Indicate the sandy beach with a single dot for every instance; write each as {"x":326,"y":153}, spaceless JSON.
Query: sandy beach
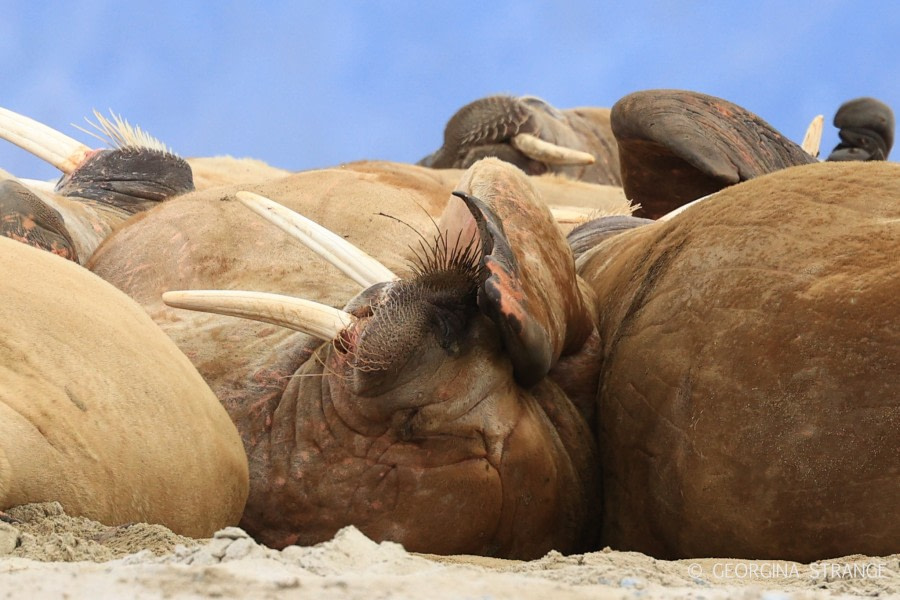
{"x":47,"y":554}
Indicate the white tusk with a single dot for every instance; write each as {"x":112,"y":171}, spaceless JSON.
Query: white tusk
{"x":46,"y":143}
{"x":551,"y":154}
{"x":38,"y":184}
{"x":318,"y":320}
{"x":572,"y":214}
{"x":813,"y":138}
{"x":352,"y":262}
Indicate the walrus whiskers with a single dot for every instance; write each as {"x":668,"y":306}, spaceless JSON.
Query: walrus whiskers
{"x":117,"y":132}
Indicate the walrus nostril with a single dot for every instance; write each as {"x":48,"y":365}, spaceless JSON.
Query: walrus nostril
{"x":345,"y":342}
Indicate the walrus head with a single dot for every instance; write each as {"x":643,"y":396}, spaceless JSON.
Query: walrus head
{"x":135,"y":171}
{"x":427,"y":413}
{"x":531,"y":134}
{"x":99,"y":188}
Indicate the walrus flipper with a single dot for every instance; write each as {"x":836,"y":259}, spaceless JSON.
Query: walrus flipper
{"x":866,"y":130}
{"x":677,"y":146}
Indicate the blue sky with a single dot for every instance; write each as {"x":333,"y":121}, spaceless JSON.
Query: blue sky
{"x":315,"y":83}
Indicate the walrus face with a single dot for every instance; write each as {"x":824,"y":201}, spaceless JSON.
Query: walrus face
{"x":427,"y":414}
{"x":526,"y":132}
{"x":106,"y":186}
{"x":408,"y":320}
{"x":132,"y":178}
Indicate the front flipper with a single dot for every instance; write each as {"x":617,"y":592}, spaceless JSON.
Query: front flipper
{"x":676,"y":146}
{"x":587,"y":235}
{"x":26,"y":218}
{"x":505,"y":302}
{"x":530,"y":289}
{"x":866,"y":130}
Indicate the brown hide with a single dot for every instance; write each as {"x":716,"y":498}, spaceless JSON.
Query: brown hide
{"x":100,"y":411}
{"x":309,"y":470}
{"x":749,"y":400}
{"x":218,"y":171}
{"x":676,"y":146}
{"x":226,"y":246}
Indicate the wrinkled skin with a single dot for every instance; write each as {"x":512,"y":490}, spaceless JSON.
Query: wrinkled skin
{"x":101,"y":412}
{"x":26,"y":218}
{"x":665,"y":497}
{"x":431,"y":421}
{"x":484,"y":128}
{"x":676,"y":146}
{"x":748,"y":404}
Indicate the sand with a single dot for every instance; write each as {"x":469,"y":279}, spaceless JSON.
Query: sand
{"x":47,"y":554}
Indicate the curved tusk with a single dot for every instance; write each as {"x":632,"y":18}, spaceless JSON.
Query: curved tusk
{"x":38,"y":184}
{"x":46,"y":143}
{"x":813,"y":138}
{"x":318,"y":320}
{"x":571,"y":214}
{"x":352,"y":262}
{"x":551,"y":154}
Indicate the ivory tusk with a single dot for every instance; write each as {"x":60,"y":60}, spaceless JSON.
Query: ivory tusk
{"x":353,"y":262}
{"x":571,"y":214}
{"x":46,"y":143}
{"x":318,"y":320}
{"x":813,"y":138}
{"x":551,"y":154}
{"x":38,"y":184}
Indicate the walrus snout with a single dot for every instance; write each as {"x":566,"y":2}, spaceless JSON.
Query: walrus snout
{"x":130,"y":178}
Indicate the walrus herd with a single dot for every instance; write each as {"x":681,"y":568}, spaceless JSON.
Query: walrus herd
{"x":662,"y":327}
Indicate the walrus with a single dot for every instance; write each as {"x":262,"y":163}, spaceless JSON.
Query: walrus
{"x":747,"y":404}
{"x":346,"y":407}
{"x":98,"y":190}
{"x":100,"y":411}
{"x":866,"y":130}
{"x":676,"y":146}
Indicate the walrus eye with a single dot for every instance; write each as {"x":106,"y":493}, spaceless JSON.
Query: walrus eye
{"x":449,"y":324}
